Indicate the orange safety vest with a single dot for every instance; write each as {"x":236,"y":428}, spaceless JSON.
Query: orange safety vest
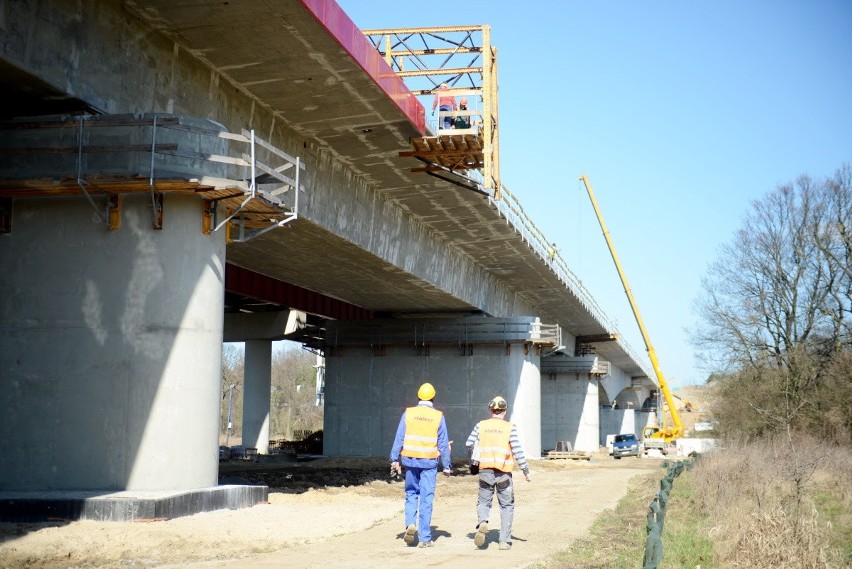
{"x":421,"y":432}
{"x":494,"y":448}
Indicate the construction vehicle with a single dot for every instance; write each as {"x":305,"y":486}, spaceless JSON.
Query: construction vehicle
{"x":661,"y":437}
{"x":687,"y":405}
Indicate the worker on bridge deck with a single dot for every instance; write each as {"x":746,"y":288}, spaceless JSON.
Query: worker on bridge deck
{"x":445,"y":102}
{"x":462,"y":121}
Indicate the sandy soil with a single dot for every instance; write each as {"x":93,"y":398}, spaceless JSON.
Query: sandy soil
{"x":340,"y":513}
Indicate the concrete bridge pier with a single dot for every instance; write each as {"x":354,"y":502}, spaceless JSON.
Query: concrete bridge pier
{"x":570,"y":394}
{"x":257,"y":332}
{"x":373,"y":371}
{"x":110,"y":351}
{"x":257,"y":395}
{"x":621,"y":409}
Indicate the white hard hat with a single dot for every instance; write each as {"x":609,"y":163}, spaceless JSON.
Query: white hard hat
{"x":498,"y":404}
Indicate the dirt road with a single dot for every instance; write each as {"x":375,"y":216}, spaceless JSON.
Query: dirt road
{"x":336,"y":524}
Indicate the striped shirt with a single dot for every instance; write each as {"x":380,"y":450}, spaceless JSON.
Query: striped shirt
{"x":514,"y":444}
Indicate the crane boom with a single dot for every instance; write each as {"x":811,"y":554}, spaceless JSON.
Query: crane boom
{"x":666,"y":433}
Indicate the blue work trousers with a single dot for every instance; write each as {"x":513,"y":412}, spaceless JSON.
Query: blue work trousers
{"x":419,"y":494}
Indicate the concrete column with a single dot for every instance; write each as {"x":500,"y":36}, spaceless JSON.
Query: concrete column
{"x":110,"y":347}
{"x":621,"y":421}
{"x":368,"y":387}
{"x":590,"y":422}
{"x":257,"y":395}
{"x":524,"y":398}
{"x":570,"y":410}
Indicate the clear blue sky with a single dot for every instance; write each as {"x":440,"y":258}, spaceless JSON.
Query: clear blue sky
{"x":680,"y":113}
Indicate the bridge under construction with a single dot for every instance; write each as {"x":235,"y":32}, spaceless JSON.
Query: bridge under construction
{"x":255,"y":172}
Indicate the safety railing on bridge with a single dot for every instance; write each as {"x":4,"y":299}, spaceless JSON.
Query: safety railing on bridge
{"x":510,"y":207}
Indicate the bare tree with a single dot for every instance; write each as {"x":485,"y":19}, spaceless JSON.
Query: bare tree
{"x":293,"y":391}
{"x":293,"y":402}
{"x":776,"y":303}
{"x":834,"y":240}
{"x":233,"y":370}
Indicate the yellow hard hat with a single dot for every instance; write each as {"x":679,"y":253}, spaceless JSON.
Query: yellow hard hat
{"x":426,"y":392}
{"x":498,"y":404}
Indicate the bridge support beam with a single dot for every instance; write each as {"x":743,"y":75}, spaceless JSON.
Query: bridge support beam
{"x":373,"y":371}
{"x":621,"y":411}
{"x":617,"y":421}
{"x":110,"y":347}
{"x":569,"y":411}
{"x":257,"y":396}
{"x":570,"y":393}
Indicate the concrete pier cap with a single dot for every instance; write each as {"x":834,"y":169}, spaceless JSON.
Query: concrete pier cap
{"x":373,"y":371}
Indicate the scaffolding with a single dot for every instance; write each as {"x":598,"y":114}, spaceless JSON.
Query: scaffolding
{"x":105,"y":157}
{"x":463,"y":59}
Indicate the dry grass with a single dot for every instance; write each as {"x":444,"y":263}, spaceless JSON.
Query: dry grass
{"x":750,"y":506}
{"x":773,"y":539}
{"x":777,"y":504}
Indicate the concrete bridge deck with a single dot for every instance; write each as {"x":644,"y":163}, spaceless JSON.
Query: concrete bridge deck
{"x":311,"y":67}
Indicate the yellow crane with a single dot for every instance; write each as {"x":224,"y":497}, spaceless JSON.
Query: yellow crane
{"x":652,"y":437}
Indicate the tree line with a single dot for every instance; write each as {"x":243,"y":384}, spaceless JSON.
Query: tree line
{"x":293,"y":408}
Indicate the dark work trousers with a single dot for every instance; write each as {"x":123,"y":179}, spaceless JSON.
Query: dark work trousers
{"x":447,"y":121}
{"x":491,"y":481}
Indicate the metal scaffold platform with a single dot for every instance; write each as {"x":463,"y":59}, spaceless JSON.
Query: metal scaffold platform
{"x":465,"y":139}
{"x":456,"y":152}
{"x":105,"y":158}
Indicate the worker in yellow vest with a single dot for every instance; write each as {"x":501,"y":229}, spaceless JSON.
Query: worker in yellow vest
{"x":494,"y":443}
{"x":421,"y":438}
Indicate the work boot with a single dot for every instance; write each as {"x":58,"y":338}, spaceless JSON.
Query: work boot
{"x":505,"y":546}
{"x":479,"y":538}
{"x":427,"y":544}
{"x":410,"y":536}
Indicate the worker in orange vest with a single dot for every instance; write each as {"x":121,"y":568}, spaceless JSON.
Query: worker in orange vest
{"x":494,"y":443}
{"x":421,"y":438}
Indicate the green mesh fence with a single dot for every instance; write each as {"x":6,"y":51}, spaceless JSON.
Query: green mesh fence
{"x":657,"y":516}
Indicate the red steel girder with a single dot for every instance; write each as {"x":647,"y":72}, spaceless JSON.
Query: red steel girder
{"x":261,"y":287}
